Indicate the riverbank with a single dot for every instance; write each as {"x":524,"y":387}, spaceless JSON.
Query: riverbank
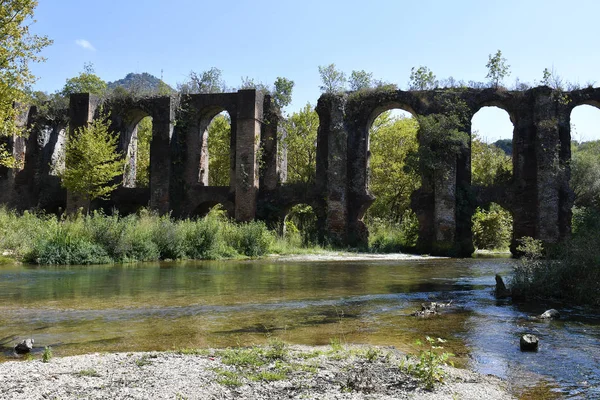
{"x":269,"y":372}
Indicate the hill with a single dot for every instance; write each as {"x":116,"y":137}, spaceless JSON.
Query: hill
{"x":143,"y":83}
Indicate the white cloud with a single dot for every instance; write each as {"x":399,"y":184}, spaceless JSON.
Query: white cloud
{"x":85,"y":44}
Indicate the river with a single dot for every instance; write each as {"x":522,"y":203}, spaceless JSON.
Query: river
{"x":175,"y":305}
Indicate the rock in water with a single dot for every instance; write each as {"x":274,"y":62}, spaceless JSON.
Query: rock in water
{"x":550,"y":314}
{"x":24,"y":347}
{"x":529,"y":342}
{"x":501,"y":290}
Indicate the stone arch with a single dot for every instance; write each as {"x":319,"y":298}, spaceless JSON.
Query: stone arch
{"x":200,"y":110}
{"x":359,"y":121}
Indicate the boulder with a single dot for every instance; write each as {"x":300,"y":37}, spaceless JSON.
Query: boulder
{"x":550,"y":314}
{"x":529,"y":342}
{"x":24,"y":347}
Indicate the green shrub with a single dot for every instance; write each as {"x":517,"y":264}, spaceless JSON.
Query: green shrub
{"x":167,"y":237}
{"x":492,"y":228}
{"x":66,"y":243}
{"x":251,"y":239}
{"x":570,"y":271}
{"x":428,"y":366}
{"x":388,"y":237}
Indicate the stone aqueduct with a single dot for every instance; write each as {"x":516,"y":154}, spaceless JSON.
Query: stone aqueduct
{"x":538,"y":194}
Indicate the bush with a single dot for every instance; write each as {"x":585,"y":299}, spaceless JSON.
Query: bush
{"x":492,"y":228}
{"x":570,"y":271}
{"x":251,"y":239}
{"x":65,"y":246}
{"x":388,"y":237}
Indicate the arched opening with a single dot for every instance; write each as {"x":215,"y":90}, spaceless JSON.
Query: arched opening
{"x":391,"y":178}
{"x":300,"y":226}
{"x":215,"y":158}
{"x":137,"y":157}
{"x":491,"y":172}
{"x":585,"y":157}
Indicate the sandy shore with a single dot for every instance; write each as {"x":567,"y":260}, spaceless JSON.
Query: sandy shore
{"x":269,"y":372}
{"x":350,"y":256}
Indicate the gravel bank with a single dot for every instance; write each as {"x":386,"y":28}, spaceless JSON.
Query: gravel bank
{"x":257,"y":373}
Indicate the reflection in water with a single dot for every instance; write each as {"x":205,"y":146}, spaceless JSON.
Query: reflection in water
{"x":203,"y":304}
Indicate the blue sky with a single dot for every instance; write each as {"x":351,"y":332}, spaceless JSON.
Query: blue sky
{"x":266,"y":39}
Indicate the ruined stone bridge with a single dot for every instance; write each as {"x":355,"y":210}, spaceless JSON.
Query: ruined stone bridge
{"x":538,"y":195}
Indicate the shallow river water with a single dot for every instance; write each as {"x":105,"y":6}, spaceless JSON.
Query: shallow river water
{"x":166,"y":306}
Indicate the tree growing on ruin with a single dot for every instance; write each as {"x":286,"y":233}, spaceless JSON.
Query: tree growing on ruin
{"x":421,"y":79}
{"x":497,"y":69}
{"x":18,"y":48}
{"x":92,"y":162}
{"x":86,"y":82}
{"x":361,"y":80}
{"x":332,"y":79}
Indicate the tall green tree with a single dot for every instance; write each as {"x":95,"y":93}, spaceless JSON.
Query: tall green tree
{"x":219,"y":139}
{"x":282,"y":92}
{"x":86,"y":82}
{"x":92,"y":162}
{"x":585,"y":173}
{"x":390,"y":141}
{"x":301,"y":144}
{"x":333,"y":80}
{"x":18,"y":48}
{"x":490,"y":165}
{"x":144,"y":137}
{"x":498,"y":69}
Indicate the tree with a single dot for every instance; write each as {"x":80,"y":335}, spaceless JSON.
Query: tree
{"x":390,"y":141}
{"x":361,"y":80}
{"x":86,"y":82}
{"x":17,"y":49}
{"x":282,"y":94}
{"x":301,"y":143}
{"x":497,"y":68}
{"x":92,"y":162}
{"x":490,"y":165}
{"x":421,"y":79}
{"x":585,"y":173}
{"x":209,"y":81}
{"x":219,"y":139}
{"x":144,"y":137}
{"x":333,"y":81}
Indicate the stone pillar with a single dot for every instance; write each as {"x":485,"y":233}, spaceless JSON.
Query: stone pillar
{"x":550,"y":171}
{"x":332,"y":170}
{"x":248,"y":126}
{"x":445,"y":205}
{"x":82,"y":107}
{"x":160,"y":154}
